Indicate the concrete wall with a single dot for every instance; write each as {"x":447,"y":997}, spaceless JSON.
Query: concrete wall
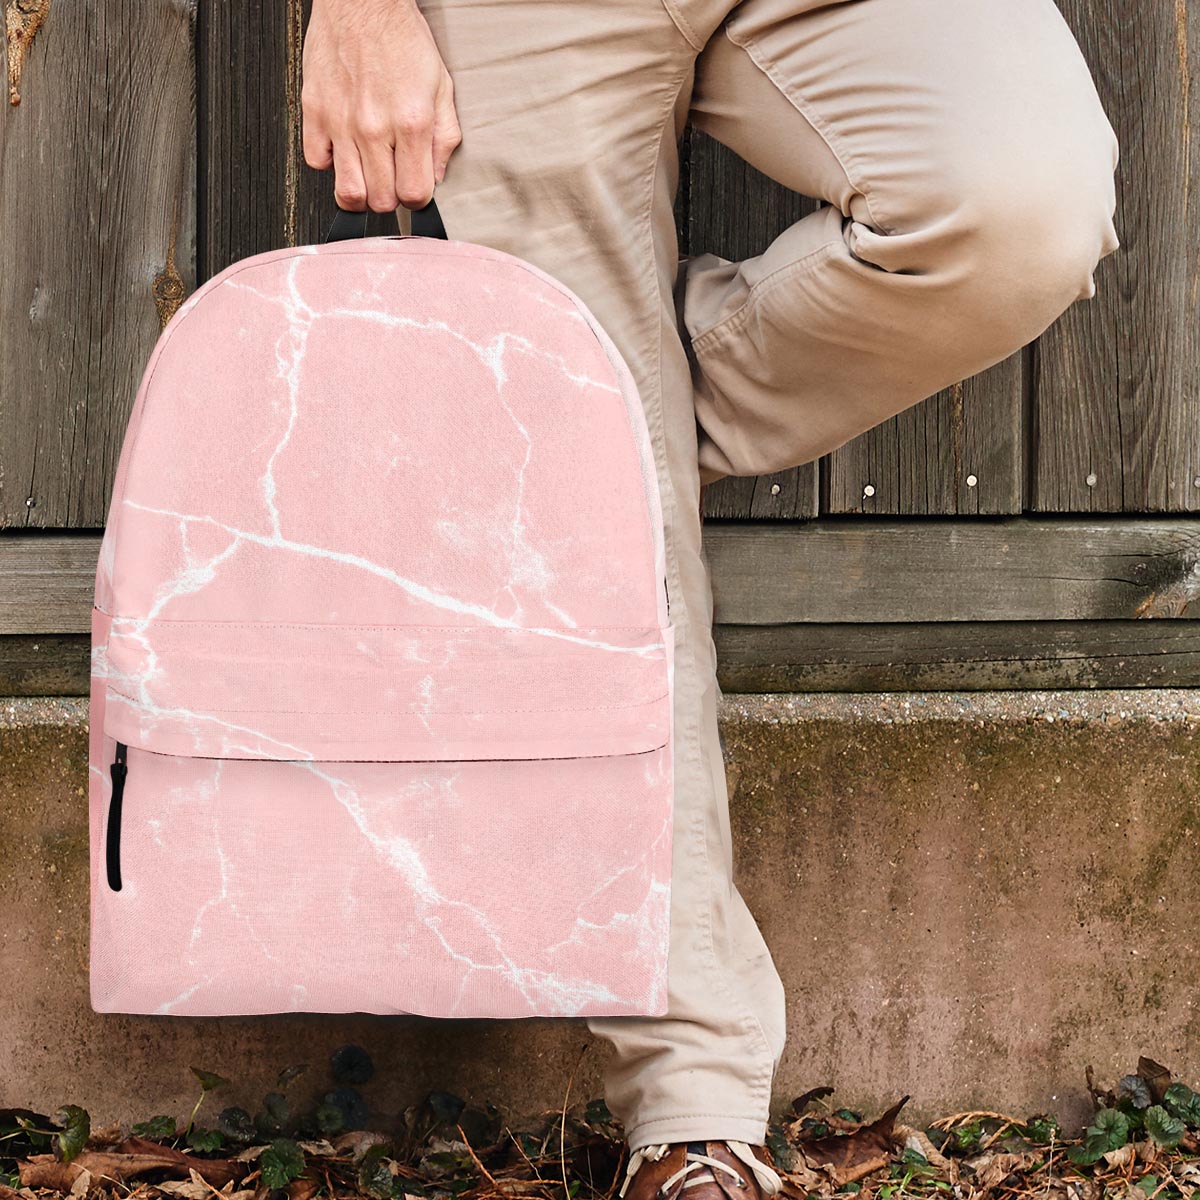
{"x":970,"y":897}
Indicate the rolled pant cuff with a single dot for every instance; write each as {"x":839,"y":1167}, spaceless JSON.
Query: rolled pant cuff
{"x":697,"y":1127}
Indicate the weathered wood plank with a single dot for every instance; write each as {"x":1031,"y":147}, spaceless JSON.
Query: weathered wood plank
{"x":45,"y":665}
{"x":47,"y":582}
{"x":1009,"y":569}
{"x":957,"y":453}
{"x":957,"y":656}
{"x":951,"y":656}
{"x":257,"y":193}
{"x":97,"y":225}
{"x":1118,"y":381}
{"x":735,"y":211}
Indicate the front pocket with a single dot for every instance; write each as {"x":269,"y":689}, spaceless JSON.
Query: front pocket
{"x":448,"y":889}
{"x":484,"y":856}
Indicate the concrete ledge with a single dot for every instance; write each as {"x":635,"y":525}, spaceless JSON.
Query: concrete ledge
{"x":970,"y":896}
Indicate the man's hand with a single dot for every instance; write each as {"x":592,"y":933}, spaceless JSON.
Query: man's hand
{"x":378,"y":103}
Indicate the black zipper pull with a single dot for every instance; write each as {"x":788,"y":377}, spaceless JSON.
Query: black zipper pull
{"x":112,"y":838}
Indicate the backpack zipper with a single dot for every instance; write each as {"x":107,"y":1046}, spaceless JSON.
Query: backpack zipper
{"x":112,"y":837}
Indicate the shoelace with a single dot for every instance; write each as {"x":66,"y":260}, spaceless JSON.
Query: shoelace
{"x":768,"y":1179}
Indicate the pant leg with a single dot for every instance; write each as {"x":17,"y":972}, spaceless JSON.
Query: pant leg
{"x":968,"y":169}
{"x":570,"y":112}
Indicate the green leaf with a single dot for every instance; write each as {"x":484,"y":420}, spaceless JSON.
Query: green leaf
{"x":206,"y":1141}
{"x":330,"y":1118}
{"x":1043,"y":1129}
{"x":1111,"y":1126}
{"x":157,"y":1129}
{"x":1148,"y":1183}
{"x":1136,"y":1089}
{"x":236,"y":1125}
{"x":782,"y":1151}
{"x":967,"y":1136}
{"x":375,"y":1173}
{"x":1180,"y":1101}
{"x":1109,"y":1130}
{"x":281,"y":1162}
{"x":76,"y":1126}
{"x":209,"y":1080}
{"x":1087,"y":1152}
{"x":1165,"y":1129}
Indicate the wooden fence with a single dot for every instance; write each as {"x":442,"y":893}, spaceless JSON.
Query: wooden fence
{"x":1015,"y":530}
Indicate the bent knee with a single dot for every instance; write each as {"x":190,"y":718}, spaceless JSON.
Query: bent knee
{"x":1014,"y":237}
{"x":1033,"y":240}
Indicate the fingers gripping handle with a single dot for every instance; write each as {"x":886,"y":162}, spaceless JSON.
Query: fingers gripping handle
{"x":426,"y":222}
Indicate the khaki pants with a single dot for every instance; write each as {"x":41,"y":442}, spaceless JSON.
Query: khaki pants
{"x":968,"y":170}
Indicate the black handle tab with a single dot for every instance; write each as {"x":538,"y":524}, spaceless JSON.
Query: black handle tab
{"x":426,"y":222}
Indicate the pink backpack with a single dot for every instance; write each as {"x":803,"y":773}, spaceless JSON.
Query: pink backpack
{"x":381,"y":708}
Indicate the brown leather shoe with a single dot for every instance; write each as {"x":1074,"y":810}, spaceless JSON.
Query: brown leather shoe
{"x":700,"y":1171}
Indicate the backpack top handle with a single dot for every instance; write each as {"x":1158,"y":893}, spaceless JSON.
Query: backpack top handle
{"x":426,"y":222}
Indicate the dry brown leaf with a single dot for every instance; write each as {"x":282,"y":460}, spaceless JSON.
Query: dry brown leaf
{"x":319,"y":1149}
{"x":217,"y":1171}
{"x":1157,"y":1077}
{"x":918,"y":1140}
{"x":803,"y":1178}
{"x":992,"y":1167}
{"x":1148,"y":1151}
{"x":45,"y":1171}
{"x":520,"y":1187}
{"x":847,"y":1158}
{"x":1123,"y":1156}
{"x":357,"y":1142}
{"x":83,"y":1181}
{"x":302,"y":1188}
{"x":187,"y":1189}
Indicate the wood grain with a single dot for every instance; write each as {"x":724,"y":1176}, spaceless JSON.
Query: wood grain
{"x":1117,"y":399}
{"x":843,"y":572}
{"x":97,"y":230}
{"x":1000,"y":569}
{"x":257,"y":193}
{"x":957,"y":656}
{"x":47,"y":582}
{"x":45,"y":665}
{"x":958,"y":453}
{"x":951,"y":656}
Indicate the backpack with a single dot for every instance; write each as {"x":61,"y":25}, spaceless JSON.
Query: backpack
{"x":382,"y":674}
